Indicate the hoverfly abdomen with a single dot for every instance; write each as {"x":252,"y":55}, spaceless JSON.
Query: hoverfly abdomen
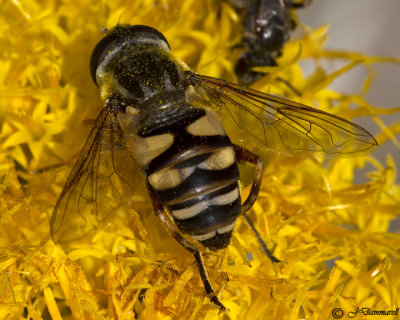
{"x":210,"y":218}
{"x":196,"y":176}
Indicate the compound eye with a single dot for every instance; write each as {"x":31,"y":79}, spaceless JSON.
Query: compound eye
{"x":148,"y":34}
{"x":102,"y":49}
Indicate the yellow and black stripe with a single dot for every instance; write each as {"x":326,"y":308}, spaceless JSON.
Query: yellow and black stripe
{"x":195,"y":176}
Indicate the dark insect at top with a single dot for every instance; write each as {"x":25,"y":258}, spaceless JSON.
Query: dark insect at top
{"x":267,"y":25}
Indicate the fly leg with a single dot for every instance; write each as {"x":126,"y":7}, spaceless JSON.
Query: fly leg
{"x":163,"y":216}
{"x":244,"y":155}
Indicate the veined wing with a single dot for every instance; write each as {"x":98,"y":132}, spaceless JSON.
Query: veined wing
{"x":282,"y":125}
{"x":95,"y":188}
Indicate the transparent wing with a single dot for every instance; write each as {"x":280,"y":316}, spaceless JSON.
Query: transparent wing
{"x":278,"y":124}
{"x":96,"y":186}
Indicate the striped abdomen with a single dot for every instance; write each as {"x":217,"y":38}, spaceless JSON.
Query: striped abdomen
{"x":191,"y":166}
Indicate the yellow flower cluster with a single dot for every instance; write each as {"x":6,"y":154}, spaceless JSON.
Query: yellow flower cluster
{"x":332,"y":235}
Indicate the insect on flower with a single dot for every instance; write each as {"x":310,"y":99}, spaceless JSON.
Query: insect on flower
{"x":169,"y":122}
{"x":267,"y":25}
